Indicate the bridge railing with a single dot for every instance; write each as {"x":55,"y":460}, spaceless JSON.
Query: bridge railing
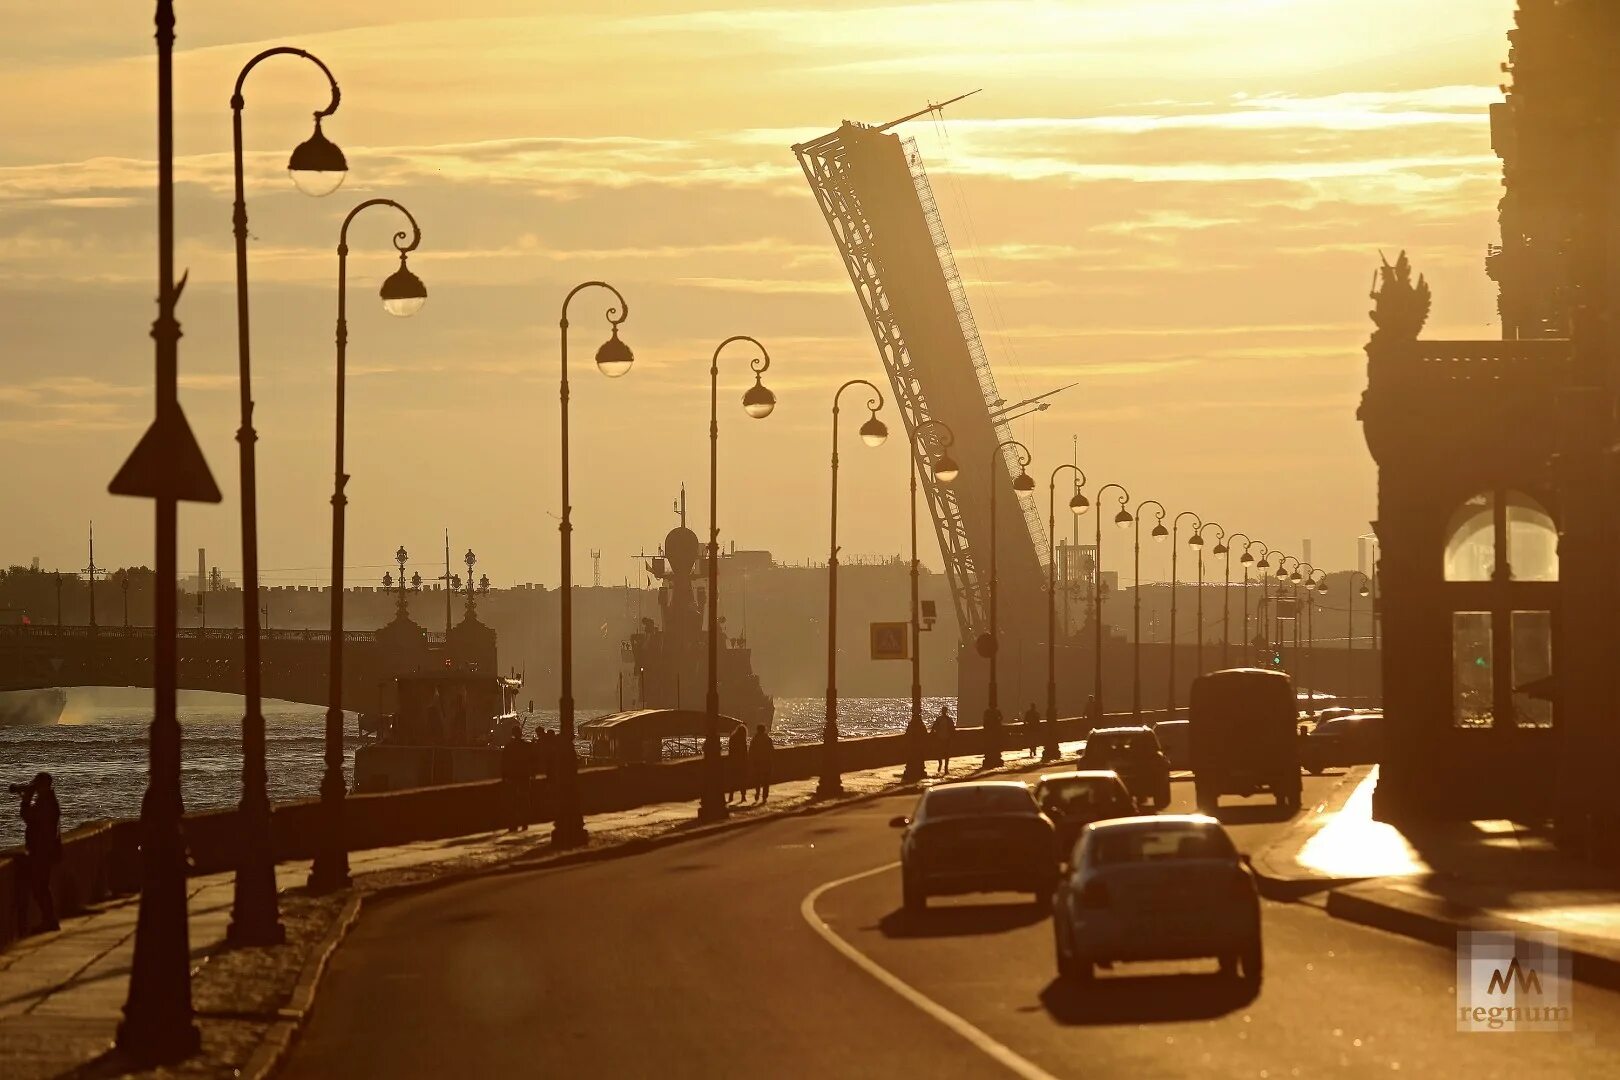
{"x":28,"y":631}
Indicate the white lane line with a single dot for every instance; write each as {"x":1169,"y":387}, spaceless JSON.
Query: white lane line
{"x":996,"y":1051}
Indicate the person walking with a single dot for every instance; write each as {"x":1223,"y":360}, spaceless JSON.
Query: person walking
{"x":944,"y":728}
{"x":737,"y":764}
{"x":42,"y":836}
{"x":1032,"y":722}
{"x":759,"y":758}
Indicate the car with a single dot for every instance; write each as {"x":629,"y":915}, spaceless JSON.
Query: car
{"x":1074,"y":799}
{"x":1133,"y":753}
{"x":981,"y":836}
{"x":1175,"y":739}
{"x":1356,"y":739}
{"x":1162,"y":887}
{"x":1243,"y":738}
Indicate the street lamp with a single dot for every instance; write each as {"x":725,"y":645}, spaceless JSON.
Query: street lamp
{"x":1077,"y":506}
{"x":1282,"y":577}
{"x":403,"y":588}
{"x":1175,"y":548}
{"x":758,"y":402}
{"x":1158,"y":534}
{"x":1262,"y":618}
{"x":932,"y":442}
{"x":1312,"y":585}
{"x":1197,"y":541}
{"x":613,"y":359}
{"x":992,"y":647}
{"x":168,"y":467}
{"x":402,"y":294}
{"x":1248,"y":561}
{"x":873,"y":432}
{"x":1225,"y":548}
{"x":317,"y":167}
{"x":1122,"y":520}
{"x":1351,"y":592}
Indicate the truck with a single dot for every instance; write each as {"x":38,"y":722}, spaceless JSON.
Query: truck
{"x":1242,"y":737}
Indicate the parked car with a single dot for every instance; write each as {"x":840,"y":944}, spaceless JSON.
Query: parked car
{"x":983,"y":836}
{"x":1175,"y":739}
{"x":1073,"y":800}
{"x":1167,"y":887}
{"x":1243,"y":738}
{"x":1356,"y":739}
{"x":1133,"y":753}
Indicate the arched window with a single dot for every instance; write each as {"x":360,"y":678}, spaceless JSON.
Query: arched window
{"x":1514,"y":523}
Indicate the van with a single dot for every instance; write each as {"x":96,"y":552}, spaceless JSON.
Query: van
{"x":1243,"y":739}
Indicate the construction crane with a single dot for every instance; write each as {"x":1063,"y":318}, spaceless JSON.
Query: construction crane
{"x":875,"y":195}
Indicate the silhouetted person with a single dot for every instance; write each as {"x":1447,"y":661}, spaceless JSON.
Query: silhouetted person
{"x":1094,"y":713}
{"x":42,"y":835}
{"x":916,"y":748}
{"x":944,"y":728}
{"x":1032,"y":719}
{"x":737,"y":764}
{"x":515,"y":777}
{"x":759,"y":760}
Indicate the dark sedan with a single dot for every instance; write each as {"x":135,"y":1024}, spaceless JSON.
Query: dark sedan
{"x":1074,"y":800}
{"x":1133,"y":753}
{"x":1342,"y":741}
{"x":984,"y":836}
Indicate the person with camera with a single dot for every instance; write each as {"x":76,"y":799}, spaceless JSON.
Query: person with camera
{"x":42,"y":836}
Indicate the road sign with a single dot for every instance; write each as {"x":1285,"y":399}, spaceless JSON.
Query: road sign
{"x":891,"y":641}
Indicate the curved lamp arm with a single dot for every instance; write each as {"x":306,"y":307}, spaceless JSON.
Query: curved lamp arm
{"x":874,"y":404}
{"x":237,"y":101}
{"x":415,"y":235}
{"x":615,"y":315}
{"x":760,"y":364}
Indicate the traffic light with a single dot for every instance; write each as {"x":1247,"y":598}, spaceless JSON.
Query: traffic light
{"x":1276,"y":658}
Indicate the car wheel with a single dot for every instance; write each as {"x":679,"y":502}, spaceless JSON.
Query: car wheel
{"x":912,"y":895}
{"x":1065,"y":966}
{"x":1252,"y":960}
{"x":1229,"y":965}
{"x":1162,"y":801}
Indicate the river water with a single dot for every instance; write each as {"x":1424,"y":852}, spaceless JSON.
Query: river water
{"x":97,"y":752}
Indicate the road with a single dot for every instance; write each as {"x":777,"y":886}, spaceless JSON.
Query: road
{"x":698,"y":960}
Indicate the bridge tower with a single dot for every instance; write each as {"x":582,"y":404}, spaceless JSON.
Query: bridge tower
{"x":875,"y":195}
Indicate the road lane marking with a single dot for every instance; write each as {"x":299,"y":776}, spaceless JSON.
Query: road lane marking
{"x":998,"y":1052}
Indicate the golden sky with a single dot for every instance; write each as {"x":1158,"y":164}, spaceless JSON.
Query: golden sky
{"x":1177,"y":204}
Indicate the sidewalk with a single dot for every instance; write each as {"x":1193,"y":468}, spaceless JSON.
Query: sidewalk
{"x":62,"y":994}
{"x":1434,"y":881}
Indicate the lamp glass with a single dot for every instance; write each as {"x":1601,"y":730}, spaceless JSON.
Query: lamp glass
{"x":1123,"y":519}
{"x":1023,"y":482}
{"x":317,"y":167}
{"x":403,"y":293}
{"x":1079,"y":504}
{"x":614,"y":358}
{"x":874,"y":432}
{"x":759,"y":402}
{"x":946,"y":470}
{"x":1160,"y":532}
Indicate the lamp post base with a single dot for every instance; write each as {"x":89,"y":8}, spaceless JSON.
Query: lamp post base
{"x":992,"y":735}
{"x":712,"y":805}
{"x":569,"y":834}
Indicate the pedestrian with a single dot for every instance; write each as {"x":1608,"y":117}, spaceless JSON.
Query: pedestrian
{"x":737,"y":764}
{"x":759,"y":758}
{"x":42,"y":837}
{"x":515,"y":780}
{"x":1093,"y":714}
{"x":944,"y":728}
{"x":1032,"y":721}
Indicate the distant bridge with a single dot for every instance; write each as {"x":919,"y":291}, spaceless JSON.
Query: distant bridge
{"x":293,"y":663}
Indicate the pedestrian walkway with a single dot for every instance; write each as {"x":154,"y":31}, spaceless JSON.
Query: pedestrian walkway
{"x":1434,"y":880}
{"x":62,"y":993}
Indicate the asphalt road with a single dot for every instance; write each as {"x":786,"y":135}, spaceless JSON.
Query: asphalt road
{"x":698,"y":960}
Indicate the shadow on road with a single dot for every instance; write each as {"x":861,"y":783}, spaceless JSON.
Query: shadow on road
{"x":962,"y":920}
{"x":1144,"y":999}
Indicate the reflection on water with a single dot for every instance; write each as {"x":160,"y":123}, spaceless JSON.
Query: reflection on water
{"x":97,"y":753}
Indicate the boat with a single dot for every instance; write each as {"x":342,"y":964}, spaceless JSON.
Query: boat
{"x":447,"y":727}
{"x":32,"y":708}
{"x":668,"y":658}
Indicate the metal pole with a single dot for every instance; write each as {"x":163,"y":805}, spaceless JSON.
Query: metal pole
{"x":1136,"y":615}
{"x":992,"y":711}
{"x":1175,"y":550}
{"x":1052,"y":751}
{"x":1096,"y":598}
{"x":255,"y":916}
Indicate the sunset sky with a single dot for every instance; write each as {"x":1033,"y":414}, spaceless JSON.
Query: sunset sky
{"x":1177,"y":204}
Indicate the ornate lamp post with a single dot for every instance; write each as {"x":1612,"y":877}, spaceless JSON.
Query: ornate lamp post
{"x":873,"y":433}
{"x":403,"y":294}
{"x":992,"y":648}
{"x":758,"y":402}
{"x":1158,"y":534}
{"x":934,"y":439}
{"x":167,"y":467}
{"x":1312,"y":585}
{"x":404,"y":588}
{"x":613,"y":359}
{"x":1122,"y":520}
{"x":1225,"y":548}
{"x":317,"y":167}
{"x":1263,"y":618}
{"x":1351,"y":593}
{"x":1196,"y":540}
{"x":1078,"y":504}
{"x":1175,"y":548}
{"x":1248,"y":560}
{"x":1283,"y":579}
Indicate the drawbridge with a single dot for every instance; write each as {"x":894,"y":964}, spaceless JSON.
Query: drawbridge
{"x":874,"y":192}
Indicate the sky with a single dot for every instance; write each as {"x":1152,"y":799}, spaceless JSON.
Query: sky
{"x":1177,"y":205}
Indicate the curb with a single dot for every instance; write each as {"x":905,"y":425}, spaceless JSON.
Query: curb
{"x":1438,"y":922}
{"x":272,"y":1050}
{"x":1271,"y":862}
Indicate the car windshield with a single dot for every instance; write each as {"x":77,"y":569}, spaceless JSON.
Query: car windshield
{"x":968,"y":800}
{"x":1135,"y":742}
{"x":1164,"y":843}
{"x":1080,"y":793}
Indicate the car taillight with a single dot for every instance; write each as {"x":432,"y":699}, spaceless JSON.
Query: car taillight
{"x":1094,"y":895}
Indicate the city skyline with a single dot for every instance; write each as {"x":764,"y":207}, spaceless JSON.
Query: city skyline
{"x":1147,"y":271}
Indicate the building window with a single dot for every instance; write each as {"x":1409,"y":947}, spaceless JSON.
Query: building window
{"x":1511,"y":521}
{"x":1473,"y":694}
{"x":1471,"y":540}
{"x":1532,"y":540}
{"x":1532,"y":669}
